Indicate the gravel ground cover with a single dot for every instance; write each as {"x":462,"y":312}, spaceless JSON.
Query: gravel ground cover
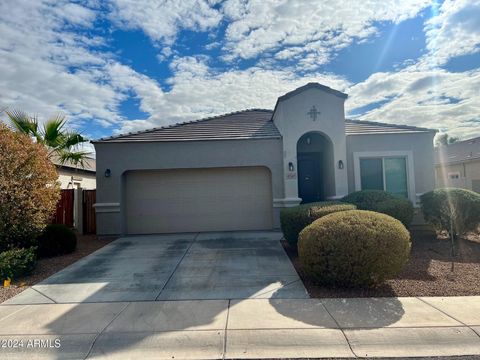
{"x":427,"y":273}
{"x":45,"y":267}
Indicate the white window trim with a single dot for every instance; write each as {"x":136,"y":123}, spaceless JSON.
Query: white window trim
{"x":383,"y":154}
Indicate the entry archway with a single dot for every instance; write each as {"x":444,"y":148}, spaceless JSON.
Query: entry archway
{"x":315,"y":167}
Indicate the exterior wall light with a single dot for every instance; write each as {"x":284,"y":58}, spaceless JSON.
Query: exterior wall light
{"x":108,"y":172}
{"x":309,"y":140}
{"x":290,"y":166}
{"x":340,"y":164}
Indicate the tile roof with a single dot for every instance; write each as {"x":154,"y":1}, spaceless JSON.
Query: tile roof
{"x":461,"y":151}
{"x":246,"y":124}
{"x":360,"y":127}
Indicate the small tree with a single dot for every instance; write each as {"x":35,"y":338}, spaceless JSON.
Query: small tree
{"x":28,"y":189}
{"x":445,"y":139}
{"x":453,"y":210}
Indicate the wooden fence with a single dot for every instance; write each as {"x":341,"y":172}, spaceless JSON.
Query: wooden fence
{"x":65,"y":213}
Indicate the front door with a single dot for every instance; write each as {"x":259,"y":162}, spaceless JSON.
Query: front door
{"x":309,"y":177}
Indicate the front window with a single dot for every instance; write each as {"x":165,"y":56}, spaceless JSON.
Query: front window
{"x":384,"y":173}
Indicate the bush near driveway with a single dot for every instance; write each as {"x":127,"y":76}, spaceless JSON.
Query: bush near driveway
{"x":353,"y":248}
{"x":383,"y":202}
{"x":28,"y":189}
{"x":295,"y":219}
{"x":56,"y":239}
{"x":16,"y":263}
{"x":451,"y":206}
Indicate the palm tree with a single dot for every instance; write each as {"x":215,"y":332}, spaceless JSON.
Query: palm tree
{"x":61,"y":144}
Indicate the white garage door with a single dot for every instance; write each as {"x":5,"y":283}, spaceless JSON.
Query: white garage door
{"x":191,"y":200}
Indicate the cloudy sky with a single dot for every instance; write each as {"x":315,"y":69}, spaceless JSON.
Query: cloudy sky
{"x":123,"y":65}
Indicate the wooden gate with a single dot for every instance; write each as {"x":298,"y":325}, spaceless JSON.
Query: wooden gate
{"x":89,"y":224}
{"x":64,"y":212}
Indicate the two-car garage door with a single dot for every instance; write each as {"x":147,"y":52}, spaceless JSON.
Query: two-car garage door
{"x":191,"y":200}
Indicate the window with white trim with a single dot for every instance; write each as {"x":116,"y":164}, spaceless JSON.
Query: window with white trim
{"x":454,"y":175}
{"x":385,"y":173}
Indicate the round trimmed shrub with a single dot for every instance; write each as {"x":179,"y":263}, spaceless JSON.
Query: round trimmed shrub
{"x":56,"y":239}
{"x":295,"y":219}
{"x":353,"y":248}
{"x":383,"y":202}
{"x":452,"y":206}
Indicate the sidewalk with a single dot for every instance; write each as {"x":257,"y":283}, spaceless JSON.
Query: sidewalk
{"x":256,"y":328}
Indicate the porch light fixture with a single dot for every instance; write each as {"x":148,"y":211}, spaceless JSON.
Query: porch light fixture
{"x":108,"y":172}
{"x":308,"y":140}
{"x":290,"y":166}
{"x":340,"y":164}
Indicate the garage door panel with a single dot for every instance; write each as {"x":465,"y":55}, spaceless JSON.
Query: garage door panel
{"x":198,"y":200}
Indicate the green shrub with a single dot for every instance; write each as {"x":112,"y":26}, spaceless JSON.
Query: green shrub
{"x":295,"y":219}
{"x":56,"y":239}
{"x":383,"y":202}
{"x":353,"y":248}
{"x":16,"y":263}
{"x":459,"y":207}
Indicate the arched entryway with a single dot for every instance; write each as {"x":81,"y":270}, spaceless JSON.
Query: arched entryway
{"x":315,"y":167}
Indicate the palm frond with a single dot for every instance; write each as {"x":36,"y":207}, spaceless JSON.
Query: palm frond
{"x":23,"y":123}
{"x":74,"y":157}
{"x":52,"y":131}
{"x":71,"y":140}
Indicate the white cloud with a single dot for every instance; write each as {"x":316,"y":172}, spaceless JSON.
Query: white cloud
{"x":316,"y":29}
{"x":454,"y":31}
{"x":48,"y":65}
{"x":162,"y":19}
{"x":436,"y":99}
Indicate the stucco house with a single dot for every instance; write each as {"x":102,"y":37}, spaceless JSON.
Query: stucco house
{"x":72,"y":176}
{"x":237,"y":171}
{"x":458,"y":165}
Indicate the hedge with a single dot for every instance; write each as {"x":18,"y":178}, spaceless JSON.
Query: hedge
{"x":295,"y":219}
{"x":353,"y":248}
{"x":383,"y":202}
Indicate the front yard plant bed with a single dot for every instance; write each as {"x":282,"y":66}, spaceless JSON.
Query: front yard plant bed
{"x":427,"y":272}
{"x":49,"y":266}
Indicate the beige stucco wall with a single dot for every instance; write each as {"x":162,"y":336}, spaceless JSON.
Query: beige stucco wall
{"x":292,"y":120}
{"x":420,"y":145}
{"x":122,"y":157}
{"x":85,"y":180}
{"x":469,"y":175}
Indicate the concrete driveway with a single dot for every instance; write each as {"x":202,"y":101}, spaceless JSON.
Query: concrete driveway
{"x":230,"y":265}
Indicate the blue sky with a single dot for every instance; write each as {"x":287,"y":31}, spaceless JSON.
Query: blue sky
{"x":123,"y":65}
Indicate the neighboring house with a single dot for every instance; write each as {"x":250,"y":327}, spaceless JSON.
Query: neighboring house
{"x":73,"y":176}
{"x":237,"y":171}
{"x":458,"y":165}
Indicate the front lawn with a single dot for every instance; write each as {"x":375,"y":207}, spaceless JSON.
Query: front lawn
{"x":427,"y":273}
{"x":48,"y":266}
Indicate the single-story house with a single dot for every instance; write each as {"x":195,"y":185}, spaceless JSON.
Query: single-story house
{"x":458,"y":165}
{"x":75,"y":176}
{"x":237,"y":171}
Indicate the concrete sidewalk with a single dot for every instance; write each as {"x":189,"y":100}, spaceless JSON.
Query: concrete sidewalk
{"x":250,"y":328}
